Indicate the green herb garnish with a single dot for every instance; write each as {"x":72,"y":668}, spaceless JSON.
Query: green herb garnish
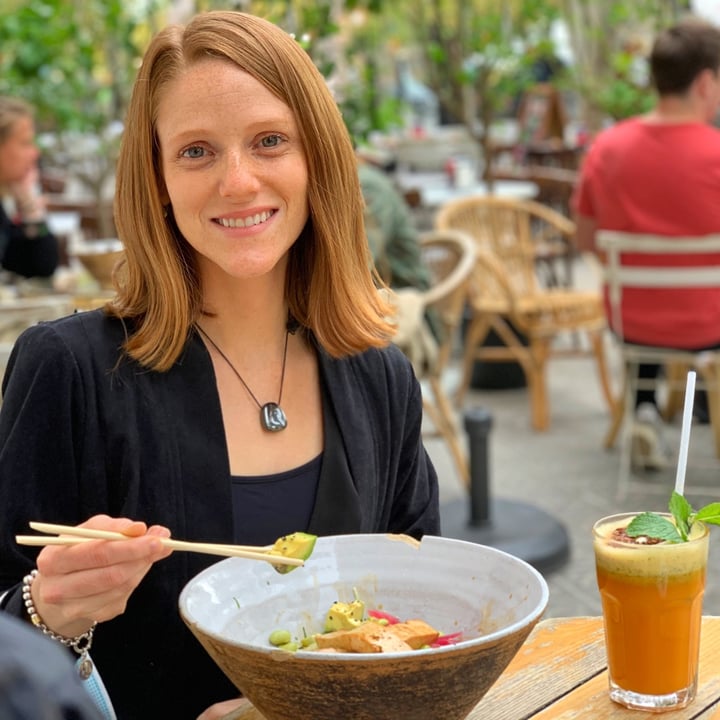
{"x":655,"y":526}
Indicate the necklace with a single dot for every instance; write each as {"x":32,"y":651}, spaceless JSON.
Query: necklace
{"x":272,"y":416}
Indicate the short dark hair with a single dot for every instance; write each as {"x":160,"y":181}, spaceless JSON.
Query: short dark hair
{"x":681,"y":52}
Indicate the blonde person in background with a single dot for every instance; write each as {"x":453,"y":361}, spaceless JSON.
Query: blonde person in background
{"x":27,"y":247}
{"x":241,"y":384}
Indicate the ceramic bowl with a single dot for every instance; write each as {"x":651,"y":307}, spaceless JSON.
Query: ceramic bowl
{"x":99,"y":257}
{"x":493,"y":598}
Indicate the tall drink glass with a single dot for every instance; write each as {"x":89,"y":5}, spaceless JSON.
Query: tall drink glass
{"x":652,"y":611}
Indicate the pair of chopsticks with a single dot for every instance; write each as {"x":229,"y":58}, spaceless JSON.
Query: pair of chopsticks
{"x":70,"y":535}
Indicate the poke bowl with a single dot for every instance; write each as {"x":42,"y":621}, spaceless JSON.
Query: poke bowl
{"x":485,"y":600}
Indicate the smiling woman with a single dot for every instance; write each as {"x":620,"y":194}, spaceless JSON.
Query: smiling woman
{"x":240,"y":385}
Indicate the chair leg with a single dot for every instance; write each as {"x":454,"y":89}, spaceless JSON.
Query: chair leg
{"x":598,"y":346}
{"x":631,"y":380}
{"x":675,"y":373}
{"x":449,"y":430}
{"x":711,"y":376}
{"x":617,"y":416}
{"x":476,"y":333}
{"x":535,"y":372}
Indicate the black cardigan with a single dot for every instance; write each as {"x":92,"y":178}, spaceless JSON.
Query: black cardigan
{"x":82,"y":435}
{"x":35,"y":256}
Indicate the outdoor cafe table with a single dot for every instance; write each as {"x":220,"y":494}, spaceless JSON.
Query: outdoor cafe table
{"x":435,"y":189}
{"x":560,"y":673}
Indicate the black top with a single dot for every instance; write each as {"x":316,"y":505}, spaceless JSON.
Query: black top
{"x":83,"y":433}
{"x":256,"y":499}
{"x":30,"y":255}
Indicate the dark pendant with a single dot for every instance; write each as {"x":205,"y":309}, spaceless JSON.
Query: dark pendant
{"x":272,"y":417}
{"x":85,"y":667}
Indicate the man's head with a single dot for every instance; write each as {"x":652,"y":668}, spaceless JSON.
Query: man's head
{"x":682,"y":53}
{"x":685,"y":63}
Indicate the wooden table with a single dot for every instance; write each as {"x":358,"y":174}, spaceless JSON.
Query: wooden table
{"x":560,"y":673}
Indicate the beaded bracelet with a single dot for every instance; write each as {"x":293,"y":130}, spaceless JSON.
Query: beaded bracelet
{"x":80,"y":644}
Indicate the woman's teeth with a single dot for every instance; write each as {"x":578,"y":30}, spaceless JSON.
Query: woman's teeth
{"x":245,"y":222}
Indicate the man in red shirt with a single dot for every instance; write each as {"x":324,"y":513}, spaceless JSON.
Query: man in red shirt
{"x":660,"y":173}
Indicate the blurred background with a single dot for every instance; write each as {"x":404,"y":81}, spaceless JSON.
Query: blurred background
{"x":398,"y":68}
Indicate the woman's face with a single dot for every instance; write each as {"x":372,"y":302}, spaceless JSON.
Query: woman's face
{"x":18,"y":153}
{"x":234,"y":168}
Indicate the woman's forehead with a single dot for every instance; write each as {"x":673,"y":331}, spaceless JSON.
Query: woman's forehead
{"x":216,"y":91}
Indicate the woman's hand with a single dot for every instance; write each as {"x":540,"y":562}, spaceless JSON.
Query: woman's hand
{"x":29,"y":200}
{"x":221,"y":710}
{"x":77,"y":585}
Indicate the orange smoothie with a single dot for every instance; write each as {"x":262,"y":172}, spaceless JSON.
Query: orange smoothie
{"x":652,"y":608}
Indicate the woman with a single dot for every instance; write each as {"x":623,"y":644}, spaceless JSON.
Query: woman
{"x":240,"y":385}
{"x":27,"y":247}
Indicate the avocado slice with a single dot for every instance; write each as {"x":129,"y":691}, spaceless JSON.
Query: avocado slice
{"x":345,"y":616}
{"x":296,"y":545}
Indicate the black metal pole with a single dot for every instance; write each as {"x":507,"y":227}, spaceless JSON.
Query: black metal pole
{"x":478,"y":422}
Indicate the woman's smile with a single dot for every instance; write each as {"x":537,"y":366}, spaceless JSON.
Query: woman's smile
{"x":248,"y":221}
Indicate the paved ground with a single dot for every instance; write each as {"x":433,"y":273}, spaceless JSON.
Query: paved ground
{"x":567,"y":473}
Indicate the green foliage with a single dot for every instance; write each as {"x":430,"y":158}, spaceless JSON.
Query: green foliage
{"x":485,"y":49}
{"x":73,"y":61}
{"x":613,"y":36}
{"x":349,"y":59}
{"x":620,"y":99}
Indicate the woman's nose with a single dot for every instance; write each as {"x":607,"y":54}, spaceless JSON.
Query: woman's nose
{"x":239,"y":177}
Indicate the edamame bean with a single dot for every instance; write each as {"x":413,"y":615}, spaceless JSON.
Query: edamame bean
{"x":280,"y":637}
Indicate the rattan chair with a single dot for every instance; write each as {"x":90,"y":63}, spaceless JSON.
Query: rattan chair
{"x":450,"y":257}
{"x":506,"y":296}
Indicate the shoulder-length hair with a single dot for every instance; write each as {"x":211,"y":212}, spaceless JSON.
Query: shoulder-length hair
{"x":330,"y":285}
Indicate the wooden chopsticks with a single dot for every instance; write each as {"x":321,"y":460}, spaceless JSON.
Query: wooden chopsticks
{"x":70,"y":535}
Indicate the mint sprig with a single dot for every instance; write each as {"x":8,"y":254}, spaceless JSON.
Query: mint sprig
{"x":655,"y":526}
{"x":682,"y":512}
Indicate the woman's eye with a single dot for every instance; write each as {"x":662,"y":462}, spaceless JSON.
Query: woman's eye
{"x":271,"y":141}
{"x":193,"y":152}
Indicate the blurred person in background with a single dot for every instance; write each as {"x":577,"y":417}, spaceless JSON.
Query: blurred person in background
{"x":391,"y":232}
{"x":660,"y":174}
{"x":27,"y":247}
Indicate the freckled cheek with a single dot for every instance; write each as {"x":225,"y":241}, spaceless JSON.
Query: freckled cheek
{"x":186,"y":199}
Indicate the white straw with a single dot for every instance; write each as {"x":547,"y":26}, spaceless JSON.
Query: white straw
{"x":685,"y":433}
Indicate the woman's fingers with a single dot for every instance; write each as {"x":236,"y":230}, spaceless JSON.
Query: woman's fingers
{"x":142,"y":546}
{"x":92,"y":581}
{"x":223,"y":709}
{"x":132,"y":528}
{"x":85,"y":596}
{"x":99,"y":554}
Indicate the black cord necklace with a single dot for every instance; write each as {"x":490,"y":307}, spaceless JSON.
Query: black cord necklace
{"x":272,"y":416}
